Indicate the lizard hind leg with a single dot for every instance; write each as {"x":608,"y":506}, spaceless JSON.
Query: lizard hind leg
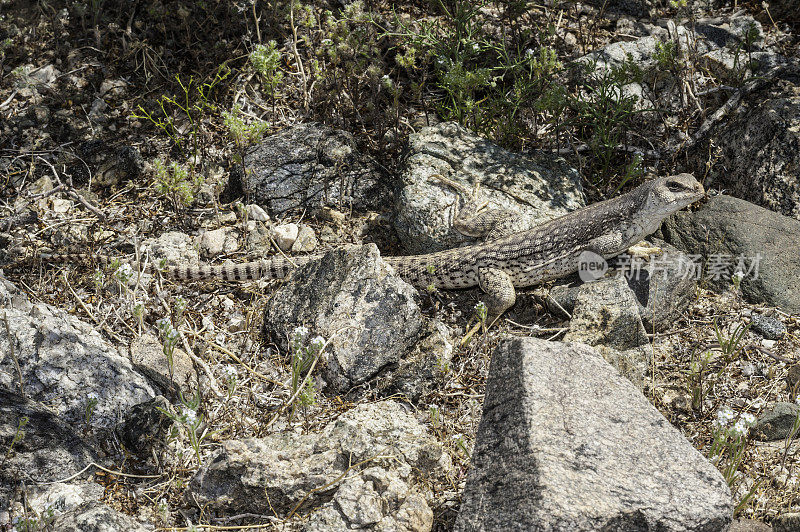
{"x":499,"y":290}
{"x":474,"y":219}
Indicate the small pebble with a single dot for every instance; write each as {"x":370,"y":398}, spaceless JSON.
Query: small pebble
{"x":255,"y":212}
{"x":767,"y":326}
{"x":285,"y":235}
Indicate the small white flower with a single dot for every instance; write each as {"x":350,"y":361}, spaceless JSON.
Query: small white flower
{"x":529,"y":52}
{"x":738,"y":276}
{"x":92,"y":396}
{"x":230,"y":372}
{"x":317,"y":342}
{"x":190,"y":416}
{"x":301,"y":331}
{"x":724,"y":416}
{"x":749,"y":419}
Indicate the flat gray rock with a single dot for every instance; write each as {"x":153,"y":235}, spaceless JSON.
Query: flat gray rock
{"x":727,"y":229}
{"x":566,"y":444}
{"x":384,"y":443}
{"x":535,"y":189}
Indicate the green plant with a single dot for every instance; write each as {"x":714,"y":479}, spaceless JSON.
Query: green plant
{"x":177,"y":183}
{"x":730,"y":345}
{"x":266,"y":60}
{"x":91,"y":403}
{"x":189,"y":419}
{"x":180,"y":116}
{"x":603,"y":114}
{"x":169,"y":340}
{"x":19,"y":434}
{"x":243,"y":133}
{"x":695,"y":377}
{"x":728,"y":446}
{"x":36,"y":523}
{"x":304,"y":354}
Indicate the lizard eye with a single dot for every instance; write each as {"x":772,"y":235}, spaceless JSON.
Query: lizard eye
{"x":674,"y":186}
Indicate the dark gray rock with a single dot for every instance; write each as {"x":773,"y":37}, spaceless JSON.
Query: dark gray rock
{"x":423,"y":369}
{"x":97,"y":517}
{"x":664,"y":287}
{"x":533,"y":188}
{"x":733,"y":229}
{"x":48,"y":450}
{"x":281,"y":471}
{"x":758,"y":147}
{"x":788,"y":522}
{"x":145,"y":428}
{"x":777,"y":422}
{"x":767,"y":326}
{"x":352,"y":296}
{"x":606,"y":315}
{"x":308,"y":166}
{"x":565,"y":443}
{"x":749,"y":525}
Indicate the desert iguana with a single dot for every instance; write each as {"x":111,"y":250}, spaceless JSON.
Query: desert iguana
{"x":499,"y":265}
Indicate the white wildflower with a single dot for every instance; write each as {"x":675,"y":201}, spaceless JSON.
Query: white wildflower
{"x":301,"y":331}
{"x":230,"y":372}
{"x":190,"y":416}
{"x":317,"y":342}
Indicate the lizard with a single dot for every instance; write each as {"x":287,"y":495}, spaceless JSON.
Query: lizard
{"x":501,"y":264}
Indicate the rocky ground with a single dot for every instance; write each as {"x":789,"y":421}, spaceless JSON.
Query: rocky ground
{"x":661,"y":397}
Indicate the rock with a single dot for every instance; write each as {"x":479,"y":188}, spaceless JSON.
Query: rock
{"x":726,"y":231}
{"x":423,"y":369}
{"x":285,"y":235}
{"x":664,"y":285}
{"x":256,"y":213}
{"x":48,"y":450}
{"x":749,"y":525}
{"x":777,"y":422}
{"x":281,"y":471}
{"x":788,"y":522}
{"x":359,"y":501}
{"x":65,"y":363}
{"x":757,"y":147}
{"x":606,"y":315}
{"x":565,"y":443}
{"x":147,"y":356}
{"x":306,"y":241}
{"x":52,"y":500}
{"x":354,"y":297}
{"x":173,"y":249}
{"x":97,"y":517}
{"x":218,"y":241}
{"x":767,"y":326}
{"x":534,"y":189}
{"x":308,"y":166}
{"x":145,"y":427}
{"x":107,"y":166}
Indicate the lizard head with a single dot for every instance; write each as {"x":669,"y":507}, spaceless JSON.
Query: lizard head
{"x":667,"y":195}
